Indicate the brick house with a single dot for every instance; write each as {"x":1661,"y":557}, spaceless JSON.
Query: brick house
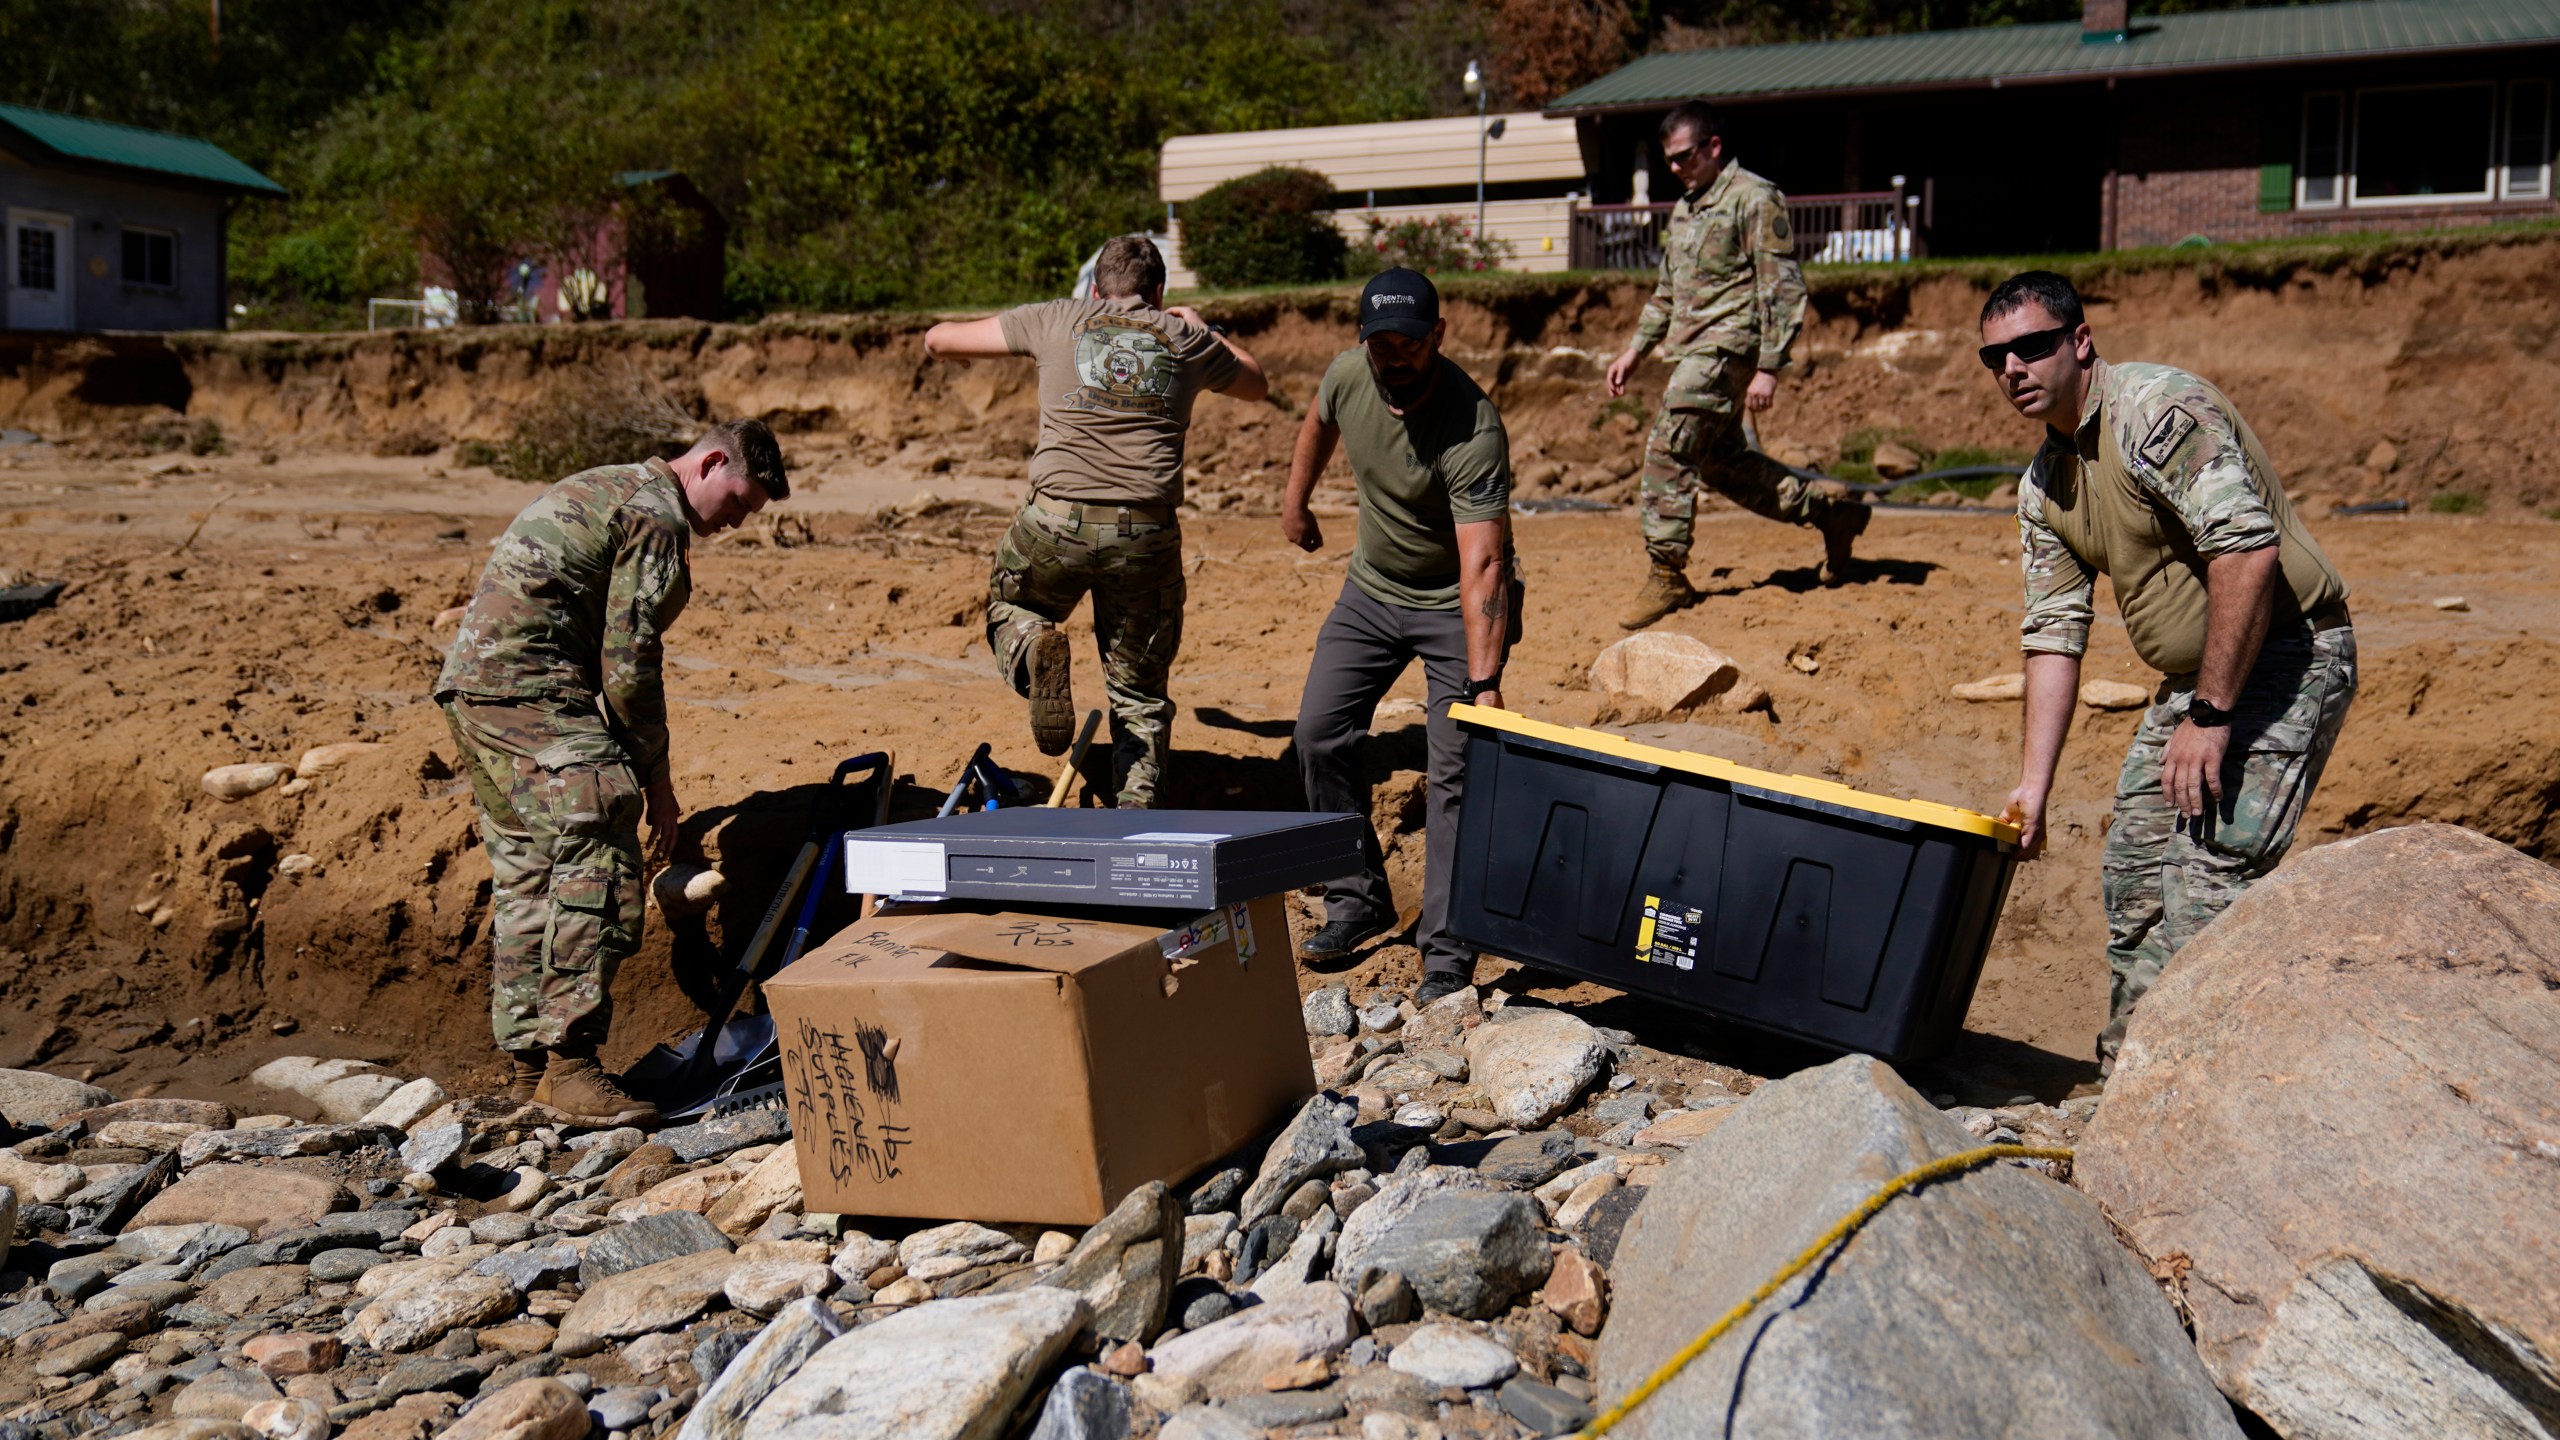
{"x":2130,"y":130}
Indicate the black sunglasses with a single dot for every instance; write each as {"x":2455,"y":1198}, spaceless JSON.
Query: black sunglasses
{"x":2030,"y":347}
{"x":1680,"y":157}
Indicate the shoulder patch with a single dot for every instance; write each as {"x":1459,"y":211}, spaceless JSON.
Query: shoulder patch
{"x":2167,"y":434}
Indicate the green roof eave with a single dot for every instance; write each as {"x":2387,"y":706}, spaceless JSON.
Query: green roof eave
{"x":2027,"y":54}
{"x":69,"y":138}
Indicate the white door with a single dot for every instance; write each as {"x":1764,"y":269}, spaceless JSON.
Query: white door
{"x":39,"y":270}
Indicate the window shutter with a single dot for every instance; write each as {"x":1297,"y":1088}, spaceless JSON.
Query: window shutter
{"x":2275,"y":186}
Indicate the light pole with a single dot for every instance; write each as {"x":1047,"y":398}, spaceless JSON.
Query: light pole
{"x":1474,"y":84}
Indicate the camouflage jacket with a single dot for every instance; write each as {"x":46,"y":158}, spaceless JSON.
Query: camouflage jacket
{"x":2160,"y":476}
{"x":1729,"y":283}
{"x":576,"y":600}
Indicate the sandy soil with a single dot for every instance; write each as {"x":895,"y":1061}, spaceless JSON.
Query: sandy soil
{"x":146,"y":932}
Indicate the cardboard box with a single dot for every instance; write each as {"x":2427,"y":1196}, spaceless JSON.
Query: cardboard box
{"x":958,"y":1065}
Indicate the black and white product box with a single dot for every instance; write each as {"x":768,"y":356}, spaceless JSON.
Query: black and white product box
{"x":1175,"y":859}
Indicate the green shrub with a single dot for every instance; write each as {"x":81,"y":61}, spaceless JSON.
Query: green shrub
{"x":477,"y":453}
{"x":2457,"y":502}
{"x":205,"y":438}
{"x":1434,"y":245}
{"x":1266,"y":228}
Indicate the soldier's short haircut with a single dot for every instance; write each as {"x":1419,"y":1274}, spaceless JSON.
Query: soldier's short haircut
{"x":751,"y":444}
{"x":1693,"y":115}
{"x":2044,"y":288}
{"x":1129,"y":267}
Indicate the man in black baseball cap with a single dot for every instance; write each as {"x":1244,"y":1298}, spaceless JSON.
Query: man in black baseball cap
{"x":1432,"y":577}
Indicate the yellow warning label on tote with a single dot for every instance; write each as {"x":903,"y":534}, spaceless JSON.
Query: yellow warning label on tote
{"x":1669,"y":934}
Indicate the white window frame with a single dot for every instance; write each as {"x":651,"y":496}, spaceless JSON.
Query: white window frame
{"x":2302,"y":169}
{"x":2486,"y":194}
{"x":2541,"y":187}
{"x":163,"y":232}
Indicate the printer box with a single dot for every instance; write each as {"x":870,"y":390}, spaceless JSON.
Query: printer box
{"x":1011,"y":1066}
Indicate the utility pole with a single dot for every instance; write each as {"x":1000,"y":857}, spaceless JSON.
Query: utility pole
{"x":1475,"y":89}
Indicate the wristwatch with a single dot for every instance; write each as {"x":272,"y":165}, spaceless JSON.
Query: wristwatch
{"x":2205,"y":715}
{"x":1479,"y":687}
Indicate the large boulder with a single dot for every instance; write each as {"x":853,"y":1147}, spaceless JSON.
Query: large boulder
{"x":953,"y":1370}
{"x":1992,"y":1303}
{"x":34,"y":1100}
{"x":2337,"y":1116}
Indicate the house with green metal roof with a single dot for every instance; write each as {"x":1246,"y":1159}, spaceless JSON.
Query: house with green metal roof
{"x":2123,"y":129}
{"x":110,"y":227}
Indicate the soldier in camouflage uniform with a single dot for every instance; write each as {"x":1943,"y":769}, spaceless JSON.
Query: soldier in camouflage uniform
{"x":2149,"y":475}
{"x":553,"y":691}
{"x":1725,"y":310}
{"x":1117,"y":377}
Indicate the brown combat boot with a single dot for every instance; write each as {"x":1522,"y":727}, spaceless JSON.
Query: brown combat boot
{"x":1053,"y":704}
{"x":525,"y":1073}
{"x":579,"y":1089}
{"x":1665,"y":590}
{"x":1842,"y":523}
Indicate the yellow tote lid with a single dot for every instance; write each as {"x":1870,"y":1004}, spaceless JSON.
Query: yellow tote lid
{"x":1803,"y":787}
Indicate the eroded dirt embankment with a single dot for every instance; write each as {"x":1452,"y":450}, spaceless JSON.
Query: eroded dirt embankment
{"x":2428,"y":371}
{"x":151,"y":932}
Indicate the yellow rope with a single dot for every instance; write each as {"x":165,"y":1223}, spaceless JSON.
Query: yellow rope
{"x":1849,"y":1225}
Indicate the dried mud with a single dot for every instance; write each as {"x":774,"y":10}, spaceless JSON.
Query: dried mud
{"x":147,"y":933}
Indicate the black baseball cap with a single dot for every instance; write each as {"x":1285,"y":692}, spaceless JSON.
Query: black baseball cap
{"x":1401,"y":300}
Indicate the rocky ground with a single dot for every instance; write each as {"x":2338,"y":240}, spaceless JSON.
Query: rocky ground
{"x":1424,"y":1250}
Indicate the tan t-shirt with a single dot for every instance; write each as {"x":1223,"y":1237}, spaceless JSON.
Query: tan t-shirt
{"x":1117,"y":379}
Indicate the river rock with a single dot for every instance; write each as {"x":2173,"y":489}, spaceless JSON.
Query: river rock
{"x":287,"y":1418}
{"x":727,"y":1134}
{"x":1993,"y":688}
{"x":223,"y":1395}
{"x":1447,"y":1355}
{"x":771,"y":1187}
{"x":537,"y":1409}
{"x":41,"y":1183}
{"x":239,"y":782}
{"x":407,"y":1105}
{"x":2341,"y":1108}
{"x":2054,"y":1326}
{"x":763,"y":1287}
{"x":653,"y":1297}
{"x":1125,"y":1266}
{"x":434,"y":1147}
{"x":948,"y":1371}
{"x":295,"y":1353}
{"x":2114,"y":695}
{"x":1662,"y":671}
{"x":685,"y":889}
{"x":1084,"y":1404}
{"x":734,"y":1390}
{"x":1534,"y":1063}
{"x":1316,"y":1141}
{"x":647,"y":1241}
{"x":421,"y":1313}
{"x":1469,"y":1253}
{"x":162,"y":1110}
{"x":35,"y":1100}
{"x":321,"y":759}
{"x":1230,"y":1357}
{"x":945,"y":1250}
{"x":1327,"y":1011}
{"x":263,"y":1200}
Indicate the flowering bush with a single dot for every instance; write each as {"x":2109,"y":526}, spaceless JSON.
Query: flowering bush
{"x":1433,"y":244}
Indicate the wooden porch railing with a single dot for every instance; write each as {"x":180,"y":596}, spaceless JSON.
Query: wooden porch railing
{"x":1860,"y":226}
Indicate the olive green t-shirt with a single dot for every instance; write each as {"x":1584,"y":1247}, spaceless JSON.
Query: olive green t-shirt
{"x":1117,"y":378}
{"x":1422,"y":475}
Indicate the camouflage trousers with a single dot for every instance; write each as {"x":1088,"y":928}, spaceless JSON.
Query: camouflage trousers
{"x":2167,"y":878}
{"x":1130,"y":559}
{"x":1697,"y":442}
{"x":560,"y":811}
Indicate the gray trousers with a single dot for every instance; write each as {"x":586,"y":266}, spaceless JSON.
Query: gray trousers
{"x":1364,"y":645}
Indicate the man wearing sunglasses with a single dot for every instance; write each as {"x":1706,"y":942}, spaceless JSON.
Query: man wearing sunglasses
{"x":2149,"y":475}
{"x":1725,"y":310}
